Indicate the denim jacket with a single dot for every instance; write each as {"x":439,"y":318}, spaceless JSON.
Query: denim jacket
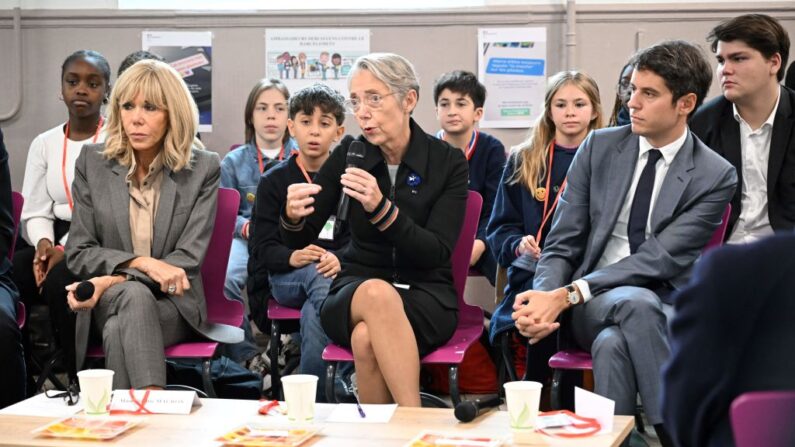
{"x":240,"y":171}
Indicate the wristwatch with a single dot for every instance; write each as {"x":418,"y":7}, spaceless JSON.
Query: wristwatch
{"x":573,"y":296}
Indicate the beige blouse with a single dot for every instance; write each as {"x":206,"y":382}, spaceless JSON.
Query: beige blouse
{"x":144,"y":199}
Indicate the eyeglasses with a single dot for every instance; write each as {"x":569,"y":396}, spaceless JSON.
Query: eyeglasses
{"x":372,"y":100}
{"x":71,"y":395}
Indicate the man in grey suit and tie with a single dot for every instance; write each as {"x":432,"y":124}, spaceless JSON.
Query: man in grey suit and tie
{"x":641,"y":203}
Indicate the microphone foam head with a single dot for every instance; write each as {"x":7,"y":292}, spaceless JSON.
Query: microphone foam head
{"x":466,"y":411}
{"x":356,"y":152}
{"x":84,"y":291}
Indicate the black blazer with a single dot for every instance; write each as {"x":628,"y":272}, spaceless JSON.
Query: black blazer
{"x":430,"y":194}
{"x":6,"y":207}
{"x":715,"y":125}
{"x":732,"y":332}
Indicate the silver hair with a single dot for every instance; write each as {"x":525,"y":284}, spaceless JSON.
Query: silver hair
{"x":392,"y":69}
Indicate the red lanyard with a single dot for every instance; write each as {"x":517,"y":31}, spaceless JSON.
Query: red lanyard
{"x":472,"y":143}
{"x":548,"y":210}
{"x":140,"y":404}
{"x":259,"y":158}
{"x":303,"y":170}
{"x":63,"y":159}
{"x":589,"y":426}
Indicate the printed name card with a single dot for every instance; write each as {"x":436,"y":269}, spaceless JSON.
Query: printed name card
{"x":153,"y":401}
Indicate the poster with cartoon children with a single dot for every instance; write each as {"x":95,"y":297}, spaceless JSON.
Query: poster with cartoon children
{"x":303,"y":56}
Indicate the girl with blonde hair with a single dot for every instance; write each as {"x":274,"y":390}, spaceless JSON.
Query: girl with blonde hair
{"x":532,"y":183}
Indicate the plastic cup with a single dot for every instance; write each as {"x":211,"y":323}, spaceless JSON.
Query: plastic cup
{"x":522,"y":399}
{"x":299,"y":396}
{"x":95,"y":388}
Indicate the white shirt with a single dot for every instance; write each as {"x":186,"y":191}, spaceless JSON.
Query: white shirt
{"x":617,"y":247}
{"x":271,"y":153}
{"x":43,"y":185}
{"x":754,"y":222}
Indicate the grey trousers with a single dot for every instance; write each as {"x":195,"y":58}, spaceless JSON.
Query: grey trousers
{"x":135,"y":328}
{"x":625,"y":329}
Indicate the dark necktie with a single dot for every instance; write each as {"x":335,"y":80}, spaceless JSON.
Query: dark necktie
{"x":639,"y":213}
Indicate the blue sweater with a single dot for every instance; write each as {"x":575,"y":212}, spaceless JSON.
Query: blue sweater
{"x":240,"y":171}
{"x":485,"y":168}
{"x":516,"y":214}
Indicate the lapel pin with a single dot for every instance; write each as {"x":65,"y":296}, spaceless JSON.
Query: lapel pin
{"x":413,"y":180}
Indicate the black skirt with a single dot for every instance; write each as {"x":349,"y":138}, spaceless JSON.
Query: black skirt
{"x":433,"y":324}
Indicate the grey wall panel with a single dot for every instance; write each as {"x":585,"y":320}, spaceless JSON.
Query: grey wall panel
{"x":435,"y":41}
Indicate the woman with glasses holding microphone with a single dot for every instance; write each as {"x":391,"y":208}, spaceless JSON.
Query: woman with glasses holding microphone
{"x":394,"y":300}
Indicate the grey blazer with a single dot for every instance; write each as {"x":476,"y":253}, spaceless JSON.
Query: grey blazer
{"x":99,"y":236}
{"x":688,"y":209}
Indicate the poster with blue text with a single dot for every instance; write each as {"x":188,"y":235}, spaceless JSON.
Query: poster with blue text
{"x":300,"y":57}
{"x":512,"y":65}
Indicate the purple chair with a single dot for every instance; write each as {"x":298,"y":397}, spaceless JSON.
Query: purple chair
{"x":221,"y":311}
{"x":577,"y":359}
{"x":278,"y":314}
{"x":16,"y":203}
{"x":764,"y":418}
{"x":470,"y":318}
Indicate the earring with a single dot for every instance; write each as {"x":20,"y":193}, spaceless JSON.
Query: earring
{"x":105,"y":100}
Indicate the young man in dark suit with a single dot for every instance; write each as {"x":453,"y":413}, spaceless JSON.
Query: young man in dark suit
{"x":640,"y":204}
{"x":731,"y":334}
{"x":752,"y":124}
{"x":12,"y":373}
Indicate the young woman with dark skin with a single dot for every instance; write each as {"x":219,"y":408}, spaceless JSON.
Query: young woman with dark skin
{"x":38,"y":271}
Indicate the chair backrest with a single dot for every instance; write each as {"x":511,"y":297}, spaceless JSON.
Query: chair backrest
{"x":220,"y":309}
{"x":17,"y":200}
{"x":764,"y":418}
{"x":462,"y":253}
{"x":720,"y":233}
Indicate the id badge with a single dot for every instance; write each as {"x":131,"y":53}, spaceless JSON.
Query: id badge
{"x":327,"y":233}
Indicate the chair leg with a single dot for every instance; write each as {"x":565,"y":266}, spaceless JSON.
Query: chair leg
{"x":455,"y":396}
{"x":46,"y":373}
{"x":275,"y":344}
{"x":639,"y":420}
{"x":507,"y":355}
{"x":431,"y":401}
{"x":207,"y":381}
{"x":554,"y":396}
{"x":331,"y":371}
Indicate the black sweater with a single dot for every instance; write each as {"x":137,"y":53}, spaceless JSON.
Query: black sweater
{"x":266,"y":242}
{"x":430,"y":195}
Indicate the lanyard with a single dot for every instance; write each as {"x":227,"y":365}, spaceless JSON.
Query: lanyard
{"x":470,"y":150}
{"x":141,"y":405}
{"x":548,"y":210}
{"x":259,"y":157}
{"x":63,"y":159}
{"x":303,"y":170}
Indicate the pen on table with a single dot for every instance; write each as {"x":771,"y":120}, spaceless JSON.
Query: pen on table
{"x":358,"y":406}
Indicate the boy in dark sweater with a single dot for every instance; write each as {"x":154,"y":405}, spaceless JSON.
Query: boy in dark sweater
{"x":459,"y":99}
{"x":301,"y":278}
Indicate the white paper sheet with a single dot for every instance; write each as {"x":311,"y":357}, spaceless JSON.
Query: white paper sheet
{"x":41,"y":405}
{"x":373,"y":413}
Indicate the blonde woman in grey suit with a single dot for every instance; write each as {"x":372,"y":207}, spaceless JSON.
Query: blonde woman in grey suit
{"x":144,"y":206}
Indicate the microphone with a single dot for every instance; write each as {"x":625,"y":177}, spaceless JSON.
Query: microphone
{"x":468,"y":410}
{"x":354,"y":159}
{"x":84,"y":291}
